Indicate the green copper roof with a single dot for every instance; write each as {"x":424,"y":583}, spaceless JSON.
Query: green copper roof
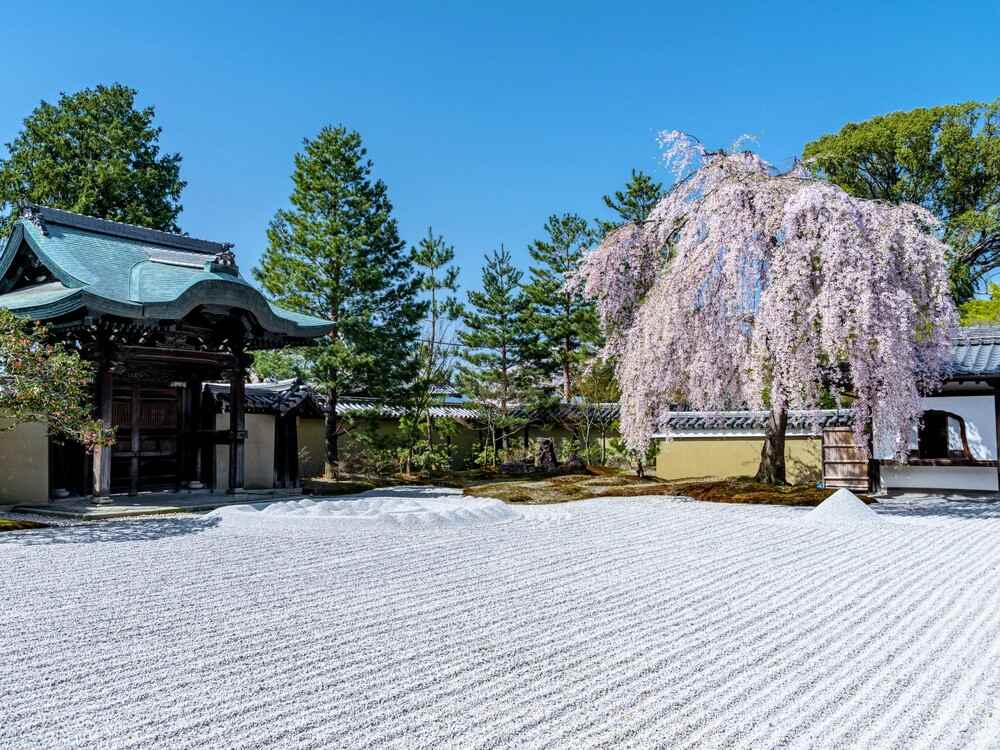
{"x":132,"y":272}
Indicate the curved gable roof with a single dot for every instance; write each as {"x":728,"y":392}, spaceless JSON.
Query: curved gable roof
{"x":134,"y":272}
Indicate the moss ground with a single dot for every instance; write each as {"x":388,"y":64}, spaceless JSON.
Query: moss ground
{"x":579,"y":487}
{"x":7,"y":524}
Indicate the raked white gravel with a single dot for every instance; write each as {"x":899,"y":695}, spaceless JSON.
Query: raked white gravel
{"x":643,"y":622}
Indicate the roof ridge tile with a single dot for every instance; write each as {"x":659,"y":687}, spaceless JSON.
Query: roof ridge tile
{"x":124,"y":230}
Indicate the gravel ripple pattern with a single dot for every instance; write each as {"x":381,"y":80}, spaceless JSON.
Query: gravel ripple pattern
{"x":640,"y":622}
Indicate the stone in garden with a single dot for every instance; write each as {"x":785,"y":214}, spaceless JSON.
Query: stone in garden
{"x":547,"y":460}
{"x":573,"y":463}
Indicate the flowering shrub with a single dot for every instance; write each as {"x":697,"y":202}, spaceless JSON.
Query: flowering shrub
{"x":42,"y":381}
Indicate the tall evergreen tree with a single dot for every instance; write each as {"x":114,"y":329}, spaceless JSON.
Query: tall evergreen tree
{"x":439,"y":282}
{"x":566,"y":323}
{"x":337,"y":254}
{"x":94,"y":153}
{"x":498,"y":372}
{"x":633,"y":204}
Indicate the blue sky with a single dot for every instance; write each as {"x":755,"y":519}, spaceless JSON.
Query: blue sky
{"x":483,"y":121}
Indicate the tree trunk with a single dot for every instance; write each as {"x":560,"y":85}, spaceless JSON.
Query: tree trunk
{"x":431,"y":365}
{"x":567,"y":373}
{"x":567,"y":351}
{"x":874,"y":469}
{"x":772,"y":454}
{"x":331,"y":469}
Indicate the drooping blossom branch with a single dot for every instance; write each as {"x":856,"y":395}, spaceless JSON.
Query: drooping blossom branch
{"x":746,"y":287}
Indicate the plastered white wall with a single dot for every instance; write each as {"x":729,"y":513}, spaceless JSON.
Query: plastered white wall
{"x":940,"y":477}
{"x":980,"y":431}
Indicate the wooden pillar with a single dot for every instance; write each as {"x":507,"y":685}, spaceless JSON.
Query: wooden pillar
{"x":181,"y":410}
{"x":102,"y":454}
{"x":208,"y":450}
{"x":136,"y":445}
{"x":193,"y":420}
{"x":237,"y":429}
{"x":237,"y":418}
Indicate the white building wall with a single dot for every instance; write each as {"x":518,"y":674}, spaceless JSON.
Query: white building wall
{"x":258,"y":453}
{"x":940,"y":477}
{"x":980,"y":431}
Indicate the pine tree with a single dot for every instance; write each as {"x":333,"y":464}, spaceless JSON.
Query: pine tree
{"x":337,"y":254}
{"x":439,"y":282}
{"x":633,"y":204}
{"x":565,"y":322}
{"x":499,"y":372}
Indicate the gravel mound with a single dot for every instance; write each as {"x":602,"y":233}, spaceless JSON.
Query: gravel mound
{"x":842,"y":508}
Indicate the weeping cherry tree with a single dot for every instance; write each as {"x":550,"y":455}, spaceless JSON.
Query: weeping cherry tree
{"x":749,"y":288}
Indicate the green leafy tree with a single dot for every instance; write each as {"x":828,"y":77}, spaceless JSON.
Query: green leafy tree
{"x":281,"y":364}
{"x":499,"y":370}
{"x":595,"y":412}
{"x":94,"y":153}
{"x":563,"y":320}
{"x":982,"y":312}
{"x":337,"y":254}
{"x":634,"y":203}
{"x":43,"y":381}
{"x":944,"y":158}
{"x":439,"y":283}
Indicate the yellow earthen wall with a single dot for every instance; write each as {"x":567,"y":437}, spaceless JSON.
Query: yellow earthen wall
{"x":724,"y":457}
{"x":24,"y":464}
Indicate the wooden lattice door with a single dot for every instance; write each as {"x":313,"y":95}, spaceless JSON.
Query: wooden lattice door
{"x":146,"y":455}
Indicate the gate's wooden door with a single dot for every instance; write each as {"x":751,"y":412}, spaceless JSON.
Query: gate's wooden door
{"x":146,"y":453}
{"x":844,"y":463}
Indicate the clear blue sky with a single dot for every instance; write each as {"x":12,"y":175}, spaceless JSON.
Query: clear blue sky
{"x":483,"y":122}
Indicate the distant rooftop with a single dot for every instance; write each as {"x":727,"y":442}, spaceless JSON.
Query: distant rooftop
{"x":271,"y":398}
{"x":976,"y":352}
{"x":799,"y":420}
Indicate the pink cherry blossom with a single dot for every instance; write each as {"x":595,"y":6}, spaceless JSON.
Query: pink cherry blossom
{"x":744,"y":285}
